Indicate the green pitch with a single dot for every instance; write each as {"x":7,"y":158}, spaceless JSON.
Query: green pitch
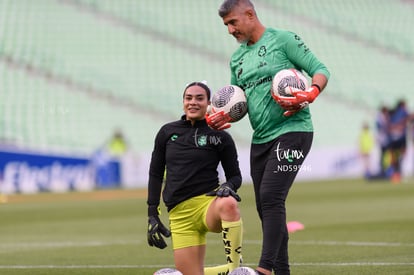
{"x":351,"y":227}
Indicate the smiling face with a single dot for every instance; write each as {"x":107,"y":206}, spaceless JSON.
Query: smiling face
{"x":195,"y":103}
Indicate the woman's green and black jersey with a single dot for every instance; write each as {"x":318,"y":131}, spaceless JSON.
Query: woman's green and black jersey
{"x":191,"y":155}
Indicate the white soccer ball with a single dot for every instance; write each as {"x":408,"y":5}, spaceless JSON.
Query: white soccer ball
{"x":170,"y":271}
{"x":244,"y":270}
{"x":288,"y":80}
{"x":231,"y":100}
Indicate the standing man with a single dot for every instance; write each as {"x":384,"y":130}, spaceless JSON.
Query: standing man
{"x":283,"y":130}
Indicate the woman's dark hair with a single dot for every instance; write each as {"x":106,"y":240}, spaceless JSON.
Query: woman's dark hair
{"x":202,"y":85}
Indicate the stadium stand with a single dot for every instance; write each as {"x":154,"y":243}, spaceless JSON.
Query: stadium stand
{"x":71,"y":71}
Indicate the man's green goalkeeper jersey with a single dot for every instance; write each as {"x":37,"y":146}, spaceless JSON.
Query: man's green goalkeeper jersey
{"x":253,"y":68}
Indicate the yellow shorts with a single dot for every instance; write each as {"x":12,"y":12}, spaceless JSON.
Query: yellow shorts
{"x":188,"y":222}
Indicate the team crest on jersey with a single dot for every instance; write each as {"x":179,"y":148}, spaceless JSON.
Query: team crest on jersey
{"x":262,"y":51}
{"x":202,"y":140}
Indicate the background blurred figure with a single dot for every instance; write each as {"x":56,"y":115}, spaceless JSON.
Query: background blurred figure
{"x":117,"y":145}
{"x":366,"y":145}
{"x":398,"y":139}
{"x":382,"y":124}
{"x":107,"y":161}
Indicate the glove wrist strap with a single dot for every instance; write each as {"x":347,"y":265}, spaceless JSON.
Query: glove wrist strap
{"x":154,"y":210}
{"x":317,"y":86}
{"x":228,"y":184}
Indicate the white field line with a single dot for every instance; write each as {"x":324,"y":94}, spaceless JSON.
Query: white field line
{"x":9,"y":247}
{"x":12,"y":247}
{"x":6,"y":248}
{"x":162,"y":266}
{"x":76,"y":266}
{"x":66,"y":244}
{"x":355,"y":264}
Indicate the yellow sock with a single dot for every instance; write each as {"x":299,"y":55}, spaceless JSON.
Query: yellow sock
{"x":232,"y":240}
{"x":217,"y":270}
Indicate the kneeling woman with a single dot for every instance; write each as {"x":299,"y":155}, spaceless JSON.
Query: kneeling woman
{"x":191,"y":151}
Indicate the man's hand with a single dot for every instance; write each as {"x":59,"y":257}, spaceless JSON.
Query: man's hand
{"x":155,"y":229}
{"x":308,"y":95}
{"x":218,"y":121}
{"x":294,"y":110}
{"x":224,"y":191}
{"x":300,"y":99}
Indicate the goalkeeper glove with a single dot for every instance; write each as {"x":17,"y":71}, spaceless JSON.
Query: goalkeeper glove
{"x":300,"y":99}
{"x":156,"y":228}
{"x":292,"y":111}
{"x":219,"y":120}
{"x":224,"y":190}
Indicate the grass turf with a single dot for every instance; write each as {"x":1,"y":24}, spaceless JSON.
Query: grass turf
{"x":351,"y":227}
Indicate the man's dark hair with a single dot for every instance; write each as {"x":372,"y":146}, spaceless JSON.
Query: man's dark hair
{"x":228,"y":5}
